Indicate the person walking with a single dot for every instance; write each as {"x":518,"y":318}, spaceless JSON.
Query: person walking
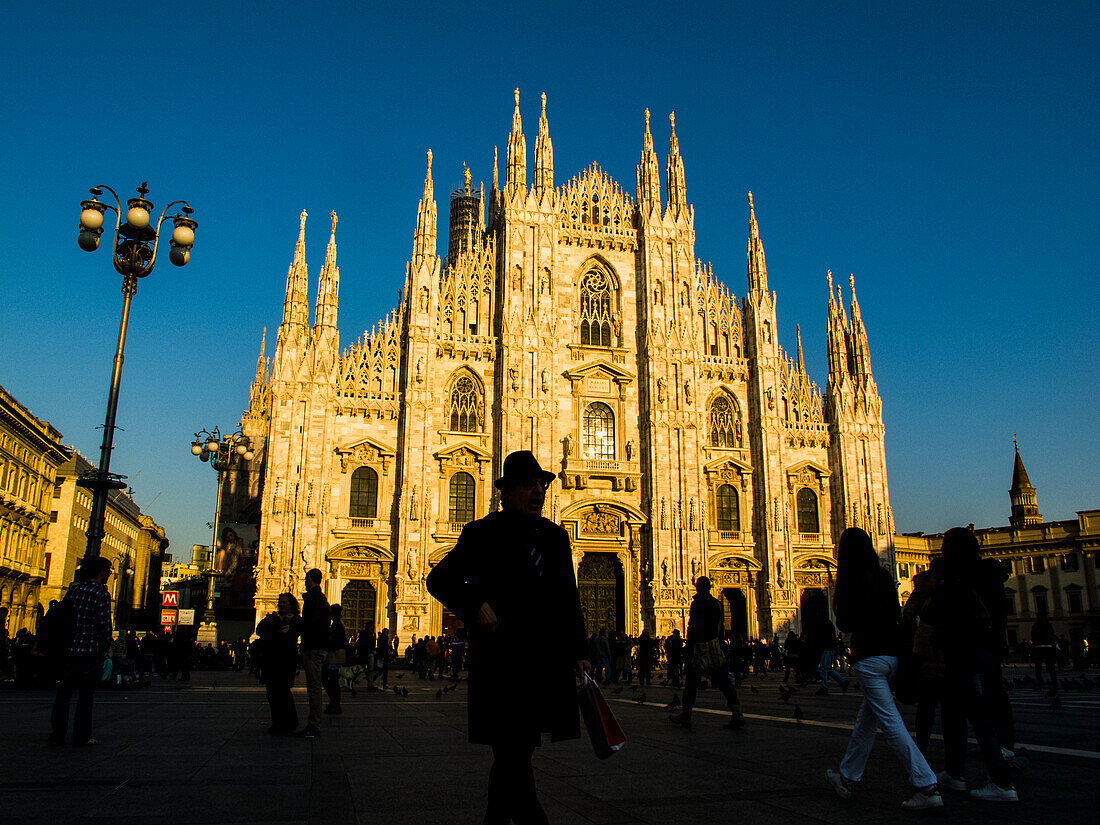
{"x":866,"y":605}
{"x":278,"y":654}
{"x":335,"y":659}
{"x":315,"y":625}
{"x":382,"y":654}
{"x":705,"y":656}
{"x":971,"y":655}
{"x":824,"y":639}
{"x":90,"y":608}
{"x":647,"y":647}
{"x":510,"y":579}
{"x":674,"y":657}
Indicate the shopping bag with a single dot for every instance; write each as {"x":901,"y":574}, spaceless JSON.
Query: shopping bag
{"x":603,"y":728}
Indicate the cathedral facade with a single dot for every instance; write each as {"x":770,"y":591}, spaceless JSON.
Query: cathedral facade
{"x":575,"y":321}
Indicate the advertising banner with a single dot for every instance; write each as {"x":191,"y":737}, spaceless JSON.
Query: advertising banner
{"x":238,"y":549}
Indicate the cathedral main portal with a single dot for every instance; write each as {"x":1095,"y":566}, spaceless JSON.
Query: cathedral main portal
{"x":358,"y":599}
{"x":600,"y":581}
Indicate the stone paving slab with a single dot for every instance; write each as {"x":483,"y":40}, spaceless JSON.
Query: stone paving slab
{"x":189,"y":754}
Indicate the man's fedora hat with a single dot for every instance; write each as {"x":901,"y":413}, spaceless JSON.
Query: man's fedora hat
{"x":522,"y":466}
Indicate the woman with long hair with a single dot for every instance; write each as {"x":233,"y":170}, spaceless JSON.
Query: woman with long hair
{"x":866,"y":605}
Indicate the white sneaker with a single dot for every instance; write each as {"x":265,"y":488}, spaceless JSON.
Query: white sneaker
{"x":1007,"y":755}
{"x":995,"y":793}
{"x":951,"y":783}
{"x":840,"y":785}
{"x":921,"y":801}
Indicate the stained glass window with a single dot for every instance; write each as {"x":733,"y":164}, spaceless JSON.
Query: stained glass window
{"x":461,"y":508}
{"x":595,"y":309}
{"x":599,"y":432}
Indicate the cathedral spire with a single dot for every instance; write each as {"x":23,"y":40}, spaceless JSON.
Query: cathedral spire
{"x":544,"y":154}
{"x":861,"y":353}
{"x":328,"y":286}
{"x":516,"y":171}
{"x":261,"y":362}
{"x":757,"y":267}
{"x":677,"y":192}
{"x":836,"y":345}
{"x":1025,"y":504}
{"x":424,"y":241}
{"x":649,"y":176}
{"x":496,"y":179}
{"x":801,"y":360}
{"x":296,"y":302}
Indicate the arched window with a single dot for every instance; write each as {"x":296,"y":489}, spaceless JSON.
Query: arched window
{"x":464,"y":406}
{"x":364,"y":494}
{"x":596,"y":309}
{"x":807,"y":511}
{"x":725,"y":428}
{"x":461,"y":509}
{"x":729,"y":515}
{"x":599,"y":432}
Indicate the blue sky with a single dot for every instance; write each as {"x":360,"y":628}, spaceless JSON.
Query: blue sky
{"x":945,"y":153}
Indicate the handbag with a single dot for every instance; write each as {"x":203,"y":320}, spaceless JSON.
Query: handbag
{"x":603,"y":728}
{"x":707,"y":656}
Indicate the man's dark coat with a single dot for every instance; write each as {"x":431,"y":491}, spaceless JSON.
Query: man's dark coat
{"x":521,"y":676}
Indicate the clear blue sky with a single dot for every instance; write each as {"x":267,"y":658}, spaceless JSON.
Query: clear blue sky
{"x":946,"y":153}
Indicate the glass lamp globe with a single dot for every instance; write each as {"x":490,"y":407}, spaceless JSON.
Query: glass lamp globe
{"x":211,"y":446}
{"x":241,"y":449}
{"x":91,"y":219}
{"x":196,"y":449}
{"x":137,"y":216}
{"x":249,"y":455}
{"x":183,"y":235}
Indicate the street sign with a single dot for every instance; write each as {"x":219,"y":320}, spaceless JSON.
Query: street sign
{"x":170,"y":598}
{"x":186,"y":616}
{"x":168,"y":617}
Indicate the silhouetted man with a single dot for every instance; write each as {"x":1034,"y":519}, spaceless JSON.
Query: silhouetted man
{"x":510,"y":579}
{"x":705,"y":656}
{"x":315,"y":622}
{"x":90,"y":607}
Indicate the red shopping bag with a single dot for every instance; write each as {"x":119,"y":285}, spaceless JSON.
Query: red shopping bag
{"x":603,"y":728}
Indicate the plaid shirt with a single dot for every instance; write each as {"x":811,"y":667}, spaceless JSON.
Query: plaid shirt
{"x":91,"y":619}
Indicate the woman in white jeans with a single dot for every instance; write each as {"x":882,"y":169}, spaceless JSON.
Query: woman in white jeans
{"x":866,"y":605}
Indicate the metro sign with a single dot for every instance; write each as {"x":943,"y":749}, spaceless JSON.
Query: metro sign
{"x":170,"y":598}
{"x":168,"y":617}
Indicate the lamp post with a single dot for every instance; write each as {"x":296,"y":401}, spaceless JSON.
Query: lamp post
{"x":134,"y":254}
{"x":224,"y":453}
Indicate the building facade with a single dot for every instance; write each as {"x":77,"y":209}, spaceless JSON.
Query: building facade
{"x":30,"y":454}
{"x":1051,"y":565}
{"x":133,"y":541}
{"x":573,"y":320}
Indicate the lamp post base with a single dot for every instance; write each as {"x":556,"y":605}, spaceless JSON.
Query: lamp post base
{"x":207,"y":633}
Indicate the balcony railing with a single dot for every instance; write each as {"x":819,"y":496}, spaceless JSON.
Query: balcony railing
{"x":729,"y":535}
{"x":600,"y":464}
{"x":456,"y":526}
{"x":809,"y":538}
{"x":362,"y":523}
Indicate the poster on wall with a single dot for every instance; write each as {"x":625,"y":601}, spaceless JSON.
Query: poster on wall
{"x":238,"y":549}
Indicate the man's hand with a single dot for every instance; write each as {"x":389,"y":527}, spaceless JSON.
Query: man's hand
{"x":487,"y":617}
{"x":583,"y":666}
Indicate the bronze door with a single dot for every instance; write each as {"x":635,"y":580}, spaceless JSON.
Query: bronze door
{"x":600,"y":581}
{"x":358,"y":599}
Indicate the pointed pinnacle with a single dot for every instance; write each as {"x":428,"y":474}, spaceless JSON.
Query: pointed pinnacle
{"x":302,"y":225}
{"x":335,"y":220}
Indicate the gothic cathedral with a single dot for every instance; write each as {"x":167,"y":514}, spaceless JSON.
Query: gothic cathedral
{"x":576,"y":322}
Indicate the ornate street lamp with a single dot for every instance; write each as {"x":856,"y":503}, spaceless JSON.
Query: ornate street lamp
{"x":134,"y":254}
{"x":224,"y":453}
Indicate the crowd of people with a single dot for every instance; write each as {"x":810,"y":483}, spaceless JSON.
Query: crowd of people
{"x":943,"y":651}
